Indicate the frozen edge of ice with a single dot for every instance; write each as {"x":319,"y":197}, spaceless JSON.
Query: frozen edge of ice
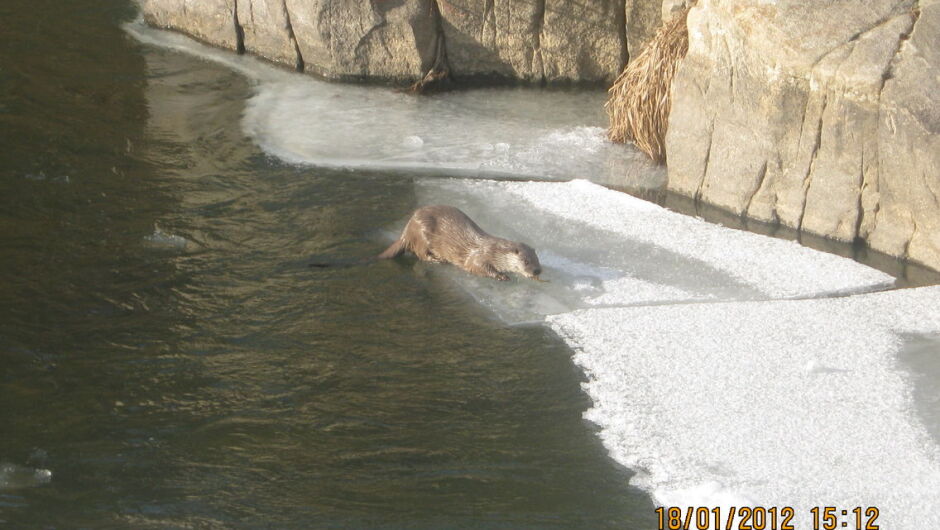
{"x":715,"y":404}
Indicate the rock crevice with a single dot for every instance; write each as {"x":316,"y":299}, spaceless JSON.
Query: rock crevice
{"x":239,"y":31}
{"x":299,"y":62}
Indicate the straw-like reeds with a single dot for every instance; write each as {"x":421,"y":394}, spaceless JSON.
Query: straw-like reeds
{"x":639,"y":100}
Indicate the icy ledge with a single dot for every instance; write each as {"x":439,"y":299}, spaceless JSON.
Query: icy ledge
{"x":780,"y":269}
{"x":600,"y":248}
{"x":786,"y":403}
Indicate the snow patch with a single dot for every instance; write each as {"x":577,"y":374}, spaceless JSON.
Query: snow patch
{"x":779,"y":403}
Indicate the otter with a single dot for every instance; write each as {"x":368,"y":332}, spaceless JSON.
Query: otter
{"x":444,"y":234}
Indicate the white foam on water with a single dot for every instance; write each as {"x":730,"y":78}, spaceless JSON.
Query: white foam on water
{"x":714,"y":403}
{"x":13,"y":476}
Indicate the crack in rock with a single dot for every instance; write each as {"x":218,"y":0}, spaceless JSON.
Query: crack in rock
{"x":808,"y":178}
{"x":761,"y":177}
{"x":299,"y":58}
{"x":708,"y":155}
{"x":239,"y":31}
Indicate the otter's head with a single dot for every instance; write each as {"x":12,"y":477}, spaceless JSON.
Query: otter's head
{"x":521,"y":259}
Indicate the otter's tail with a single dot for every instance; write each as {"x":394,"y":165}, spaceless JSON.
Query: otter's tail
{"x":393,"y":251}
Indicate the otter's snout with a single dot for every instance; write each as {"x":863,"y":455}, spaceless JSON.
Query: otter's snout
{"x":535,"y":274}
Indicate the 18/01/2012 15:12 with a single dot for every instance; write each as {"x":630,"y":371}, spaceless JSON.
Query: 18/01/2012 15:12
{"x":761,"y":518}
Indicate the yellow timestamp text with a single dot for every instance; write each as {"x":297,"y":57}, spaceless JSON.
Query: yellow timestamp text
{"x":762,"y":518}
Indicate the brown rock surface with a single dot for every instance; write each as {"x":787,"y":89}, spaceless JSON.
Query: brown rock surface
{"x":534,"y":41}
{"x":820,"y":115}
{"x":211,"y":21}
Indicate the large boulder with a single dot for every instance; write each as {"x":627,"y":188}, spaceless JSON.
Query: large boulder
{"x":534,"y":41}
{"x":822,"y":116}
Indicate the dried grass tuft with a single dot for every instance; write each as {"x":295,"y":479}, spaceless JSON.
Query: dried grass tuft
{"x":639,"y":100}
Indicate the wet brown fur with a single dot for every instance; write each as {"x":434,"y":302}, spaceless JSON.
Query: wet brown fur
{"x":444,"y":234}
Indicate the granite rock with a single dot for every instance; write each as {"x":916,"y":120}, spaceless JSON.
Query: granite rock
{"x":532,"y":41}
{"x":819,"y":115}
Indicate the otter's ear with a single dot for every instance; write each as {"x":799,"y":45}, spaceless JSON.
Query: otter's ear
{"x":516,"y":251}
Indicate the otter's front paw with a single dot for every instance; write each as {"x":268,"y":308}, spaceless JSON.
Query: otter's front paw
{"x":502,"y":277}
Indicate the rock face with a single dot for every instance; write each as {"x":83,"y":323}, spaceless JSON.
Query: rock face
{"x":823,"y":116}
{"x":211,"y":21}
{"x":534,"y":41}
{"x":360,"y":40}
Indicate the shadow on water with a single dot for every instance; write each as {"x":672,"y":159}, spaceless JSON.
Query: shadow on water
{"x":169,"y":357}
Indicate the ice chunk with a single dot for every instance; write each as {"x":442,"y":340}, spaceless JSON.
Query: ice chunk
{"x":474,"y":133}
{"x":714,"y":401}
{"x":246,"y":65}
{"x":166,"y":240}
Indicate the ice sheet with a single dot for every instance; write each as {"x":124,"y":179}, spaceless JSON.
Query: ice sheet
{"x":508,"y":132}
{"x":603,"y":248}
{"x":783,"y":403}
{"x":777,"y":268}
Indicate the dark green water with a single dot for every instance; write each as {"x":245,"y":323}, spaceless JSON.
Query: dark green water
{"x":215,"y":381}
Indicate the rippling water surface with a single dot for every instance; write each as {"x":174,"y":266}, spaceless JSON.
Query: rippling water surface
{"x":168,"y":360}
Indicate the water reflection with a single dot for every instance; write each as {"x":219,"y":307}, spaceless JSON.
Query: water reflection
{"x":166,"y":349}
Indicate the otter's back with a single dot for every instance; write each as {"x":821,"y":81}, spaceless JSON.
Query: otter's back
{"x":447,"y":230}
